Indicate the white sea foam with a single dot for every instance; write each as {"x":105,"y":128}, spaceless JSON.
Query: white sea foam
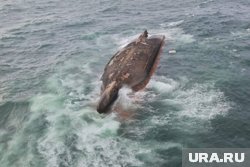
{"x":201,"y":101}
{"x":102,"y":147}
{"x":175,"y":35}
{"x":163,"y":84}
{"x":123,"y":41}
{"x":171,"y":24}
{"x":182,"y":106}
{"x":94,"y":136}
{"x":241,"y":34}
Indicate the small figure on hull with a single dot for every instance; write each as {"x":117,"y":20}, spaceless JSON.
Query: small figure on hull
{"x":132,"y":66}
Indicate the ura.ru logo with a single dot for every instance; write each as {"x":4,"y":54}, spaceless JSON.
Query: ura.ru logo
{"x":214,"y":157}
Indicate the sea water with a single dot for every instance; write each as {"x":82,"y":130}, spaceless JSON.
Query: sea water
{"x":52,"y":54}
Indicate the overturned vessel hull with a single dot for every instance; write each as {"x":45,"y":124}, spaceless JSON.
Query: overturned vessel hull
{"x":132,"y":66}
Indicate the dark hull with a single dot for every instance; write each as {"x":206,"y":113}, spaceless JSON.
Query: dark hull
{"x":132,"y":66}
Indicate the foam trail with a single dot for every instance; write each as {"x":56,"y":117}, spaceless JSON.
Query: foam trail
{"x":171,"y":24}
{"x":77,"y":135}
{"x":200,"y":101}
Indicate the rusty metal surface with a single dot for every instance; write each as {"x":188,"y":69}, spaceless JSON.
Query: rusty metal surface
{"x":134,"y":64}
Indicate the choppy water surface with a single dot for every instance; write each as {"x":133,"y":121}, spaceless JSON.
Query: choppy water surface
{"x":52,"y":54}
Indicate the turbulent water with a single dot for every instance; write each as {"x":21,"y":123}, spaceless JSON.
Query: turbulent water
{"x":52,"y":54}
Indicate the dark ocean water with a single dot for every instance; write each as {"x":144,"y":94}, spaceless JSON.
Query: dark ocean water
{"x":52,"y":54}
